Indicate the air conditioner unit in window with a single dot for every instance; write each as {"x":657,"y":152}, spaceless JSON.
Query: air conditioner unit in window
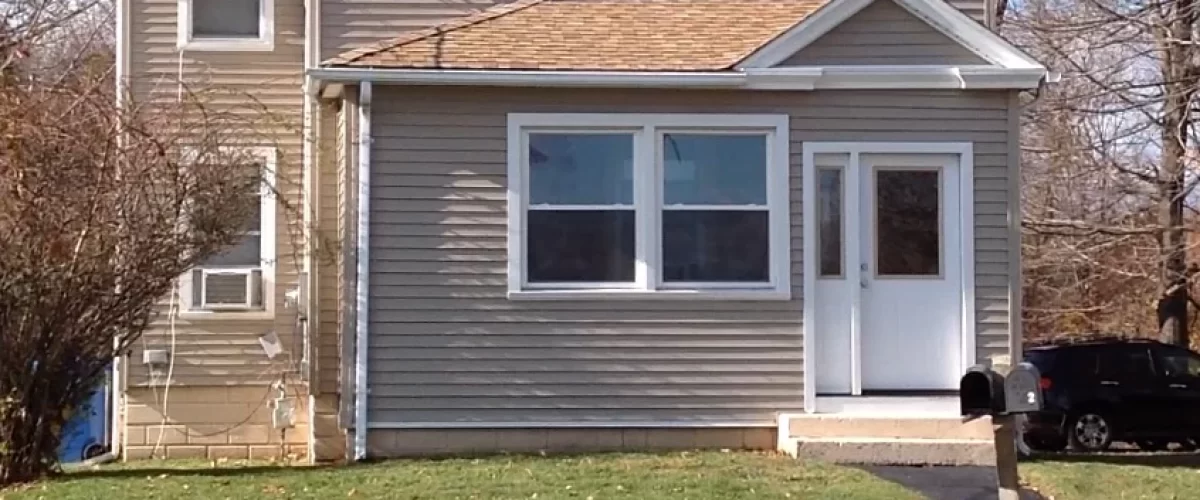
{"x":227,"y":289}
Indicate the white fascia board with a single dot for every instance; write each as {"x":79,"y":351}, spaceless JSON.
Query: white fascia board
{"x":972,"y":35}
{"x":816,"y":25}
{"x":616,"y":79}
{"x":892,"y":77}
{"x":785,"y":78}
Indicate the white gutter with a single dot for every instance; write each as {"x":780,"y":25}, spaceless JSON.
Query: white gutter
{"x":777,"y":78}
{"x":362,"y":301}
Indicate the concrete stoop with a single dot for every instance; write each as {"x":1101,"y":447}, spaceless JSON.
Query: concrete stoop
{"x":870,"y":440}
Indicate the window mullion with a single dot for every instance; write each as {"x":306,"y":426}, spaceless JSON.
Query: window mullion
{"x":645,"y":194}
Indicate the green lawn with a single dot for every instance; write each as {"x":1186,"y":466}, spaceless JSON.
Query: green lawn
{"x":1115,"y":476}
{"x":693,"y":475}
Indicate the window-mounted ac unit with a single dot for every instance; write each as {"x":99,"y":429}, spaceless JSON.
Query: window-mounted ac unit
{"x":227,"y":289}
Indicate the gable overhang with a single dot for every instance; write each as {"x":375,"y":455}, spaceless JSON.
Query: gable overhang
{"x":938,"y":14}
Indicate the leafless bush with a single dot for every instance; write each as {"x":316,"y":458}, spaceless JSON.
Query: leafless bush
{"x":101,"y":209}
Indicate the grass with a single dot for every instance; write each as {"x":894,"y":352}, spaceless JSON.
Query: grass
{"x":1115,"y":476}
{"x":693,"y":476}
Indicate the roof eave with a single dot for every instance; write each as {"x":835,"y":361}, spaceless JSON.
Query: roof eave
{"x":802,"y":78}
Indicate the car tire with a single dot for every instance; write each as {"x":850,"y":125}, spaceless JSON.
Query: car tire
{"x":1153,"y":444}
{"x":1090,"y":431}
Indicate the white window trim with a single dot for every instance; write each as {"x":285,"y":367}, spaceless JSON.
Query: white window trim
{"x":267,"y":252}
{"x":646,"y":130}
{"x":264,"y":42}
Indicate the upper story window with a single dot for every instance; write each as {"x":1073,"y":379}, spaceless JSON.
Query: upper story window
{"x":657,"y":206}
{"x":241,"y":278}
{"x":233,"y":25}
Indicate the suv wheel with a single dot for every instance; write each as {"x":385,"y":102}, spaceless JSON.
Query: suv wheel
{"x":1090,"y":431}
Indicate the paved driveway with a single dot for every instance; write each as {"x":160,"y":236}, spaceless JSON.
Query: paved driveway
{"x":947,"y":483}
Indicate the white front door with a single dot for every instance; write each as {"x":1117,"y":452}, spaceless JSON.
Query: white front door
{"x":910,"y":272}
{"x":888,"y":288}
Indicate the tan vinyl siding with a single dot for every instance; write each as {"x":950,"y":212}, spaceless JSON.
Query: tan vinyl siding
{"x":447,"y":346}
{"x":979,"y":10}
{"x":883,"y":33}
{"x":350,"y":24}
{"x":328,"y":256}
{"x":260,"y":86}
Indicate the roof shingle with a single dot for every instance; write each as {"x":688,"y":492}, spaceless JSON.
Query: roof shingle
{"x":595,"y":35}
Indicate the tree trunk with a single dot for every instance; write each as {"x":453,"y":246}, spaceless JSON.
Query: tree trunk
{"x":1178,"y":73}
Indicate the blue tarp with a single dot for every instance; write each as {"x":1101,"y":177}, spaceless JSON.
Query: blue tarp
{"x":86,"y":434}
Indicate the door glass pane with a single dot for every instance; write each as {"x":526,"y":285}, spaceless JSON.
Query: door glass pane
{"x":714,"y":245}
{"x":580,"y":169}
{"x":225,"y":18}
{"x":907,"y":223}
{"x":711,"y":169}
{"x":580,"y":245}
{"x":829,"y":215}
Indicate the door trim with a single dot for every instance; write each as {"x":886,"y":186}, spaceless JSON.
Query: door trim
{"x":966,"y":165}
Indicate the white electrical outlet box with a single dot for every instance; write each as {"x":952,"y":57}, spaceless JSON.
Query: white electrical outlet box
{"x":156,"y":357}
{"x":283,"y":415}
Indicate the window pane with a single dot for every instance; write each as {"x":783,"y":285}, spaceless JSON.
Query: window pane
{"x":225,"y":18}
{"x":706,"y":169}
{"x":581,"y":169}
{"x":1178,"y":363}
{"x":580,"y":245}
{"x":907,"y":222}
{"x":711,"y":245}
{"x":829,"y":213}
{"x":245,"y":253}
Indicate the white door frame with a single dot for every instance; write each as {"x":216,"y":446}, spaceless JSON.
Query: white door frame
{"x":965,"y":153}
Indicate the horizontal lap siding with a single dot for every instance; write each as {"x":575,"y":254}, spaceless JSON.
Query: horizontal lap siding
{"x":883,"y":33}
{"x":264,"y":87}
{"x":447,"y":346}
{"x":349,"y":24}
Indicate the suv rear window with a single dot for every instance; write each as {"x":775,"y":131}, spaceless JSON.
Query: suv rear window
{"x":1119,"y":362}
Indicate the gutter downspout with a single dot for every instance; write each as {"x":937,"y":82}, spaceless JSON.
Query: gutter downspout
{"x":116,"y":382}
{"x":362,"y":300}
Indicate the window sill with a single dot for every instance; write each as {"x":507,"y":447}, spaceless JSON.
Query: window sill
{"x":231,"y":315}
{"x":227,"y":45}
{"x":755,"y":294}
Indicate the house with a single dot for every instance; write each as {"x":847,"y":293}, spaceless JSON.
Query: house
{"x":594,"y":224}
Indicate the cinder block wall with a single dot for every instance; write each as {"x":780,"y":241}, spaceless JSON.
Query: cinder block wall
{"x":211,"y":422}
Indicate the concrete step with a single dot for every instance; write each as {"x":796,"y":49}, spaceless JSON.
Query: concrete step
{"x":894,"y":451}
{"x":861,"y":426}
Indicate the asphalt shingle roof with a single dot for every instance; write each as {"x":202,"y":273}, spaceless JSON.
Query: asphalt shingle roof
{"x":596,"y":35}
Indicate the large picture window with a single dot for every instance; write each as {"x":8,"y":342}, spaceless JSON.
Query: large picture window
{"x":626,"y":206}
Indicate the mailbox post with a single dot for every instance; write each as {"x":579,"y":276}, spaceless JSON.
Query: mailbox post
{"x":983,"y":391}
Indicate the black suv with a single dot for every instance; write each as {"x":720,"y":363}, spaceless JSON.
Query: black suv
{"x":1104,"y":389}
